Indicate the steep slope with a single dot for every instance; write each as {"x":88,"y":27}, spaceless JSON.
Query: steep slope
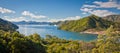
{"x":86,"y":23}
{"x":7,"y":26}
{"x":114,"y":18}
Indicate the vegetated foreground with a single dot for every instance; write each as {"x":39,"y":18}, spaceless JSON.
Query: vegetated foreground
{"x":14,"y":42}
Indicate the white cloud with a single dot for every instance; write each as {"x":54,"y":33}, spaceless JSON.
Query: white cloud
{"x":27,"y":13}
{"x":90,"y":6}
{"x":68,"y":18}
{"x":109,"y":4}
{"x":92,"y":9}
{"x":17,"y":19}
{"x":4,"y":10}
{"x":14,"y":19}
{"x":101,"y":13}
{"x":86,"y":9}
{"x":98,"y":4}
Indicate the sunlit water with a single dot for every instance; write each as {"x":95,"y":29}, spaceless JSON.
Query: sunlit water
{"x":43,"y":30}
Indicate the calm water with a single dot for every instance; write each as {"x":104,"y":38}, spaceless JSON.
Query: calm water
{"x":52,"y":30}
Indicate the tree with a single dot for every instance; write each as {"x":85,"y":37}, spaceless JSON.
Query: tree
{"x":110,"y":42}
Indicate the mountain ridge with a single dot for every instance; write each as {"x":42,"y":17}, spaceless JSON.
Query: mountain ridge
{"x":7,"y":26}
{"x":90,"y":22}
{"x":114,"y":18}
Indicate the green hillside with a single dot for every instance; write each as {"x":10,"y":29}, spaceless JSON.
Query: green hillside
{"x":7,"y":26}
{"x":90,"y":22}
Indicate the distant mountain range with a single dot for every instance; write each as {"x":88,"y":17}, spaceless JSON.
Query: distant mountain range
{"x":39,"y":23}
{"x":7,"y":26}
{"x":31,"y":22}
{"x":90,"y":22}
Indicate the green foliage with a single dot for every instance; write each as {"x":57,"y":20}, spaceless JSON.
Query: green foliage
{"x":56,"y":45}
{"x":35,"y":37}
{"x":18,"y":43}
{"x":108,"y":43}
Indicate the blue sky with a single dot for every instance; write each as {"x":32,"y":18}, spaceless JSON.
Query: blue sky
{"x":56,"y":10}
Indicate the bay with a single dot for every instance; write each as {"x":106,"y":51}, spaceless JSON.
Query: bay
{"x":52,"y":30}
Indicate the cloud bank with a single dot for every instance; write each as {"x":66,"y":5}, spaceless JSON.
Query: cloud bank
{"x":4,"y":10}
{"x":14,"y":19}
{"x":93,"y":9}
{"x":27,"y":13}
{"x":68,"y":18}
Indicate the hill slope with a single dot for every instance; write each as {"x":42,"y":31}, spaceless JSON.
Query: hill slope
{"x":7,"y":26}
{"x":114,"y":18}
{"x":86,"y":23}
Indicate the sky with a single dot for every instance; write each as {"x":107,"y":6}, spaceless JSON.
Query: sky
{"x":56,"y":10}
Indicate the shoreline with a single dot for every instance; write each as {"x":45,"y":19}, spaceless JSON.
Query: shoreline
{"x":97,"y":32}
{"x":94,"y":32}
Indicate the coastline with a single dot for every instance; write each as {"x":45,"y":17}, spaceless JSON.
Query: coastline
{"x":94,"y":32}
{"x":98,"y":32}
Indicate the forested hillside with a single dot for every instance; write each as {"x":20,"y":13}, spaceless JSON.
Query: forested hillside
{"x":86,"y":23}
{"x":7,"y":26}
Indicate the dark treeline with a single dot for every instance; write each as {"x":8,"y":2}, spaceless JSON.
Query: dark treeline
{"x":18,"y":43}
